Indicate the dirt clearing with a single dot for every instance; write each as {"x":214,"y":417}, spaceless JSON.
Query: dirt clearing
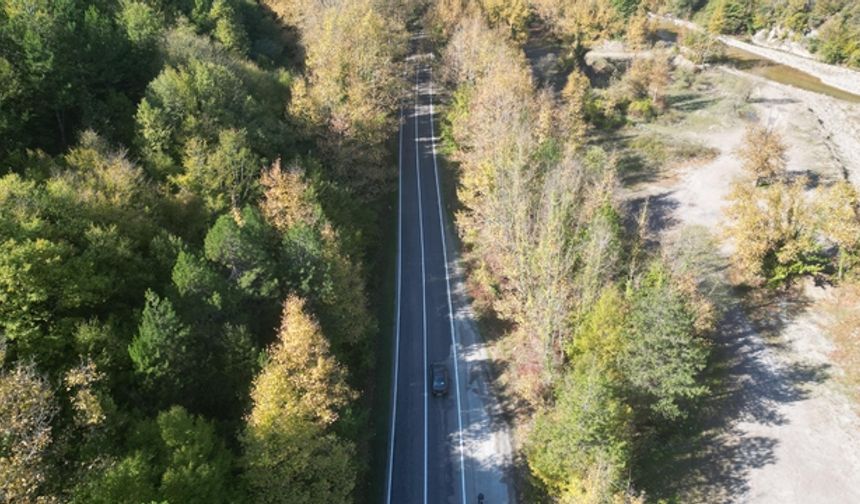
{"x":783,"y":428}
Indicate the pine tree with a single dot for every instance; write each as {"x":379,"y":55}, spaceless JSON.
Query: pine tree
{"x":575,"y":94}
{"x":162,"y":351}
{"x":638,"y":30}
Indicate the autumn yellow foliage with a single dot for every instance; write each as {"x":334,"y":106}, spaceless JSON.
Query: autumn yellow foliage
{"x":351,"y":89}
{"x":301,"y":377}
{"x":27,"y":407}
{"x":763,"y":153}
{"x":772,"y":227}
{"x":296,"y":398}
{"x":288,"y":200}
{"x":582,"y":22}
{"x":838,"y":208}
{"x":511,"y":13}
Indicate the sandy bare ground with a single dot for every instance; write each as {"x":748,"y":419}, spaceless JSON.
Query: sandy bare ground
{"x":784,"y":432}
{"x":842,"y":78}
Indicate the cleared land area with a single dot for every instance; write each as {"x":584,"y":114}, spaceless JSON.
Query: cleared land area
{"x":784,"y":428}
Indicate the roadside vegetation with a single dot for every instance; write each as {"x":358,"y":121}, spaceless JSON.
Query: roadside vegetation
{"x":828,"y":28}
{"x":605,"y":337}
{"x":194,"y":197}
{"x":179,"y":180}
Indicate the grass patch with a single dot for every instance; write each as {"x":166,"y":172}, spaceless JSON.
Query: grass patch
{"x":843,"y":327}
{"x":644,"y":156}
{"x":660,"y":150}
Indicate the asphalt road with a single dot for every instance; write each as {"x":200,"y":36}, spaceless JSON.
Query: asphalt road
{"x":435,"y":443}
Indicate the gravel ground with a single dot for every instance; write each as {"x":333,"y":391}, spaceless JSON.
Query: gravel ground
{"x":836,"y":76}
{"x":785,"y":433}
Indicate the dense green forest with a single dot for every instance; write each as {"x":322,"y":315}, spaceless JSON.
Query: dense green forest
{"x":190,"y":206}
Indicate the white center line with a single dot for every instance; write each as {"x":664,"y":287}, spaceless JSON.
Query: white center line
{"x":397,"y":310}
{"x":423,"y":280}
{"x":450,"y":304}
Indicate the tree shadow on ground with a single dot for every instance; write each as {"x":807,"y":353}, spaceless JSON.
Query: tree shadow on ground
{"x":636,"y":169}
{"x":660,"y":214}
{"x":773,"y":101}
{"x":711,"y":458}
{"x":692,"y":105}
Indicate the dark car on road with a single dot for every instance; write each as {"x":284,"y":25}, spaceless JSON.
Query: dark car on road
{"x":439,"y":379}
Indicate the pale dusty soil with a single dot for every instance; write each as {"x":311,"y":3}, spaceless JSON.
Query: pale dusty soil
{"x":786,"y":432}
{"x":843,"y":78}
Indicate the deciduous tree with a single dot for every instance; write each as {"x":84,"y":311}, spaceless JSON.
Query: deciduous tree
{"x":290,"y":454}
{"x":581,"y":22}
{"x":288,"y":200}
{"x":839,"y":210}
{"x":224,"y":174}
{"x":196,"y":100}
{"x":27,"y":409}
{"x":763,"y":153}
{"x":350,"y":102}
{"x":317,"y":266}
{"x":511,"y":13}
{"x":245,"y":246}
{"x":773,"y":229}
{"x":178,"y":457}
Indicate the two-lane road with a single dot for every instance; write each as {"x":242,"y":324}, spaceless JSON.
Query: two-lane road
{"x":441,"y":449}
{"x":425,"y":459}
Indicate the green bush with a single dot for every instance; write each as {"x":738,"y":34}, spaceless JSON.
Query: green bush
{"x":588,"y":431}
{"x":730,"y":16}
{"x":642,"y":109}
{"x":701,"y":46}
{"x":664,"y":355}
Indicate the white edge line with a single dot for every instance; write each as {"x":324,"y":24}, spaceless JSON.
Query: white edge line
{"x":397,"y":310}
{"x":450,"y":304}
{"x":423,"y":280}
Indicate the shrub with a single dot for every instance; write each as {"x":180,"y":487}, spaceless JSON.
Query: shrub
{"x":586,"y":437}
{"x":643,"y":109}
{"x":730,"y":16}
{"x":774,"y":231}
{"x":700,"y":46}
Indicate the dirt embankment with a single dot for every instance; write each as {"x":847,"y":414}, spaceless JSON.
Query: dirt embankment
{"x":839,"y":77}
{"x":837,"y":122}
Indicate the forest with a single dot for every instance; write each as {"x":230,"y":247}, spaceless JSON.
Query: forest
{"x":196,"y":202}
{"x":191,"y":203}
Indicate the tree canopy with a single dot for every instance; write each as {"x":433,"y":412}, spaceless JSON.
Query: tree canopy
{"x":149,"y":238}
